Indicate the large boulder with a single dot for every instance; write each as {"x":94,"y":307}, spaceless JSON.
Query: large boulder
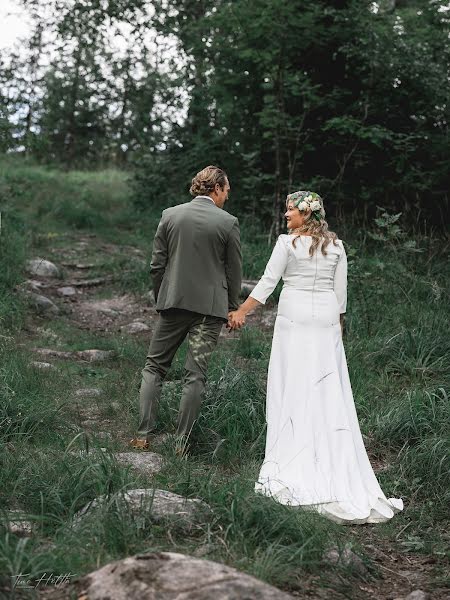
{"x":171,"y":576}
{"x":42,"y":268}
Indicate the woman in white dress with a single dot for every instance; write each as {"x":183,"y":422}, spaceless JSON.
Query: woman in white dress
{"x":315,"y":455}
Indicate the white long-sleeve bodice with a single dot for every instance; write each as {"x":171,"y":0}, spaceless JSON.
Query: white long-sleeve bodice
{"x":301,"y":271}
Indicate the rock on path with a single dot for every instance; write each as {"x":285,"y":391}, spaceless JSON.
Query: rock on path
{"x":415,"y":595}
{"x":44,"y":366}
{"x":88,"y":393}
{"x":88,"y":355}
{"x":42,"y":268}
{"x":168,"y":576}
{"x":66,"y":291}
{"x":15,"y":521}
{"x":346,"y":557}
{"x":135,"y":327}
{"x":157,"y":505}
{"x":147,"y":463}
{"x":42,"y":304}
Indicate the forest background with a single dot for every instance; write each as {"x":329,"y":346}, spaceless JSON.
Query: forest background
{"x":107,"y":110}
{"x":349,"y":98}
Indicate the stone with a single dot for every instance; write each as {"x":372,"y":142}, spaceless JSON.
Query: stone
{"x":135,"y":327}
{"x":88,"y":393}
{"x":43,"y":304}
{"x":146,"y":463}
{"x":417,"y":595}
{"x":53,"y":353}
{"x":346,"y":557}
{"x":77,"y":265}
{"x":95,"y":355}
{"x":169,"y":575}
{"x":42,"y":365}
{"x":34,"y":285}
{"x":66,"y":291}
{"x":157,"y":505}
{"x":111,"y":306}
{"x":42,"y":268}
{"x":16,"y":523}
{"x":88,"y":355}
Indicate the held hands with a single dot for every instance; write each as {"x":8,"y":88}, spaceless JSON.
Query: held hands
{"x":236,"y":319}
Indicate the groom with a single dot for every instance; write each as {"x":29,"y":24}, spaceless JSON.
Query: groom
{"x":196,"y":268}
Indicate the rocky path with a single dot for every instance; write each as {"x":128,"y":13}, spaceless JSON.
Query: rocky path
{"x":79,"y":287}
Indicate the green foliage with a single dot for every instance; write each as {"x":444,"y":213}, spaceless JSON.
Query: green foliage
{"x":252,"y":343}
{"x":13,"y":242}
{"x":346,"y":100}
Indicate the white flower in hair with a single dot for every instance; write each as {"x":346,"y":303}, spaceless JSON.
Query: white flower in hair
{"x":308,"y":198}
{"x":315,"y":205}
{"x":302,"y":206}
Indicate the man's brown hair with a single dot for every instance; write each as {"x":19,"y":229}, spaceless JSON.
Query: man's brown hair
{"x":205,"y":181}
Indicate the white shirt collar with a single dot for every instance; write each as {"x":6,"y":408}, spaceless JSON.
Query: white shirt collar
{"x":208,"y":197}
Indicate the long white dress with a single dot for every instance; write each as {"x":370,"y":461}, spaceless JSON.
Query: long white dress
{"x":315,"y":454}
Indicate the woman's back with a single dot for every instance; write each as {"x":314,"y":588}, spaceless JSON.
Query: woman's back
{"x":304,"y":271}
{"x":300,"y":271}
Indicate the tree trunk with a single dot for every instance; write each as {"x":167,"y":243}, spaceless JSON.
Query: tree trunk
{"x":71,"y":125}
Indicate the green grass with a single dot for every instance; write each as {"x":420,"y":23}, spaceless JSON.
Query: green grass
{"x":398,"y":354}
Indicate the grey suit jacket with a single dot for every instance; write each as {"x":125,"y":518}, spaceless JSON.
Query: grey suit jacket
{"x":196,"y":261}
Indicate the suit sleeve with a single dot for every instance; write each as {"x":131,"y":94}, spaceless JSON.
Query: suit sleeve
{"x":273,"y":272}
{"x":159,"y":257}
{"x":233,"y":266}
{"x":340,"y":281}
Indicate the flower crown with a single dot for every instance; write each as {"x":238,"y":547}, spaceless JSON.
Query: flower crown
{"x":304,"y":200}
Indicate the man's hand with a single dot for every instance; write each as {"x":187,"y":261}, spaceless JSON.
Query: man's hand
{"x":235,"y":319}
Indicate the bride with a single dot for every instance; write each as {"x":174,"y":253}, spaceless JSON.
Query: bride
{"x":315,"y":455}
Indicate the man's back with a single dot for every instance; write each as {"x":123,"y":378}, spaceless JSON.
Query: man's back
{"x":196,"y":262}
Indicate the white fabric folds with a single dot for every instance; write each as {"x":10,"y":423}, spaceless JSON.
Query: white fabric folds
{"x":315,"y":455}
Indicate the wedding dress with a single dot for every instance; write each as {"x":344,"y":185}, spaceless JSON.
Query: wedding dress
{"x":315,"y":455}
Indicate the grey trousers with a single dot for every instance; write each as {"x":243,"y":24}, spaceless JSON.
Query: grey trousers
{"x":172,"y":327}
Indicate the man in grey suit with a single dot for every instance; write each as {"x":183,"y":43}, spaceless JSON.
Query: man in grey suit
{"x":196,"y":269}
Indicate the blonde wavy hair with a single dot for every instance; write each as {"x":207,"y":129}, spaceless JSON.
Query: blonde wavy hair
{"x":205,"y":181}
{"x":317,"y":228}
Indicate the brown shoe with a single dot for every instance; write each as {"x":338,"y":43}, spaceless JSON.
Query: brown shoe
{"x":139,"y":444}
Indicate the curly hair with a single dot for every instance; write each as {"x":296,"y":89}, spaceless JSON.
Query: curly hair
{"x":205,"y":181}
{"x":317,"y":229}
